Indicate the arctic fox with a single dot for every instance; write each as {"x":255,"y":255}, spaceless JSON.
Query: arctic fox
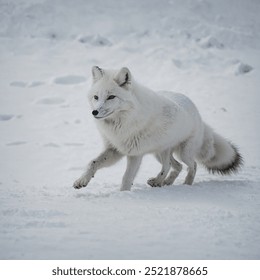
{"x":134,"y":121}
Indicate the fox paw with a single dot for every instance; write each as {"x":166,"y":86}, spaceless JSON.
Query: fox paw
{"x":154,"y":182}
{"x":81,"y":182}
{"x":168,"y":181}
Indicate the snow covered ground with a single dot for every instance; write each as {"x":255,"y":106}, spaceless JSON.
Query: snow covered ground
{"x":209,"y":50}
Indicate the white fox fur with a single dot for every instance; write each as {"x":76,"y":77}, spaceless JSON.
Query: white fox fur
{"x":134,"y":120}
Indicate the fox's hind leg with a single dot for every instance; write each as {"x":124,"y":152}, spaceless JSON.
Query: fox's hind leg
{"x":191,"y":174}
{"x":177,"y":167}
{"x":107,"y":158}
{"x":164,"y":159}
{"x":187,"y":155}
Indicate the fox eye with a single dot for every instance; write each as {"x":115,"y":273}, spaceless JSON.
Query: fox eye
{"x":111,"y":97}
{"x":95,"y":97}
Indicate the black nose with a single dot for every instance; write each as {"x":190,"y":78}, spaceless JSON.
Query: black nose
{"x":94,"y":113}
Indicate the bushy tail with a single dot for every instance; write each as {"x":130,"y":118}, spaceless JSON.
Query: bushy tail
{"x":218,"y":155}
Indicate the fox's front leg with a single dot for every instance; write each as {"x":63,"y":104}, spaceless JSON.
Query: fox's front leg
{"x":107,"y":158}
{"x":133,"y":164}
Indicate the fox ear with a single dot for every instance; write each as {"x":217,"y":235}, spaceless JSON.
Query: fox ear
{"x":97,"y":73}
{"x":123,"y":77}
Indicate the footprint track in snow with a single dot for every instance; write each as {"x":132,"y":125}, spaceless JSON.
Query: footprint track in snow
{"x":6,"y":117}
{"x":63,"y":80}
{"x":22,"y":84}
{"x":95,"y":40}
{"x":55,"y":145}
{"x":18,"y":84}
{"x":70,"y":80}
{"x":16,"y":143}
{"x":50,"y":101}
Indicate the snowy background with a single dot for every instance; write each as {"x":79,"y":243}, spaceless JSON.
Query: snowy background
{"x":209,"y":50}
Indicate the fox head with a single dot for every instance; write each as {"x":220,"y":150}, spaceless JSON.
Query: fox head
{"x":110,"y":93}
